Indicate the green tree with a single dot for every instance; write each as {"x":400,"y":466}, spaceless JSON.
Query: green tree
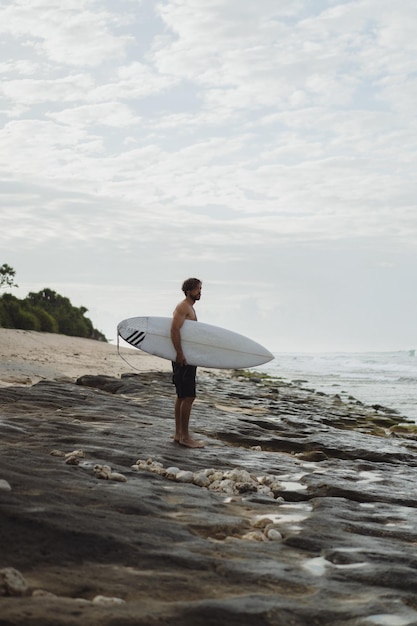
{"x":46,"y":311}
{"x":8,"y":310}
{"x":71,"y":320}
{"x":14,"y":314}
{"x":7,"y":275}
{"x":47,"y":323}
{"x":26,"y":320}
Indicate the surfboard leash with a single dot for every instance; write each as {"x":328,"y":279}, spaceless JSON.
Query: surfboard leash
{"x":122,"y":357}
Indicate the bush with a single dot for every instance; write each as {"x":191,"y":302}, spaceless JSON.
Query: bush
{"x":9,"y":311}
{"x":47,"y":323}
{"x":26,"y":320}
{"x":49,"y":312}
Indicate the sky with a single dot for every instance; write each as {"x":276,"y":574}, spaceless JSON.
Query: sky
{"x":268,"y":148}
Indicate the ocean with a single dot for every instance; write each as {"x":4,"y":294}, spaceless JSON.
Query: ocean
{"x":385,"y":378}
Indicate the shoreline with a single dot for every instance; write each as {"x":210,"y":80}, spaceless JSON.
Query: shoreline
{"x":27,"y":357}
{"x":384,"y":378}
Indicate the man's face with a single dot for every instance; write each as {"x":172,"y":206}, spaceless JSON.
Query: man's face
{"x":195,"y":294}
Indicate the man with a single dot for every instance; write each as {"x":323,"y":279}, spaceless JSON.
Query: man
{"x":184,"y":374}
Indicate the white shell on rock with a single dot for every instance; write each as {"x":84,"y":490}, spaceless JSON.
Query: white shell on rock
{"x":184,"y":476}
{"x":41,"y":593}
{"x":207,"y":472}
{"x":102,"y":471}
{"x":276,"y":486}
{"x":81,"y":601}
{"x":150,"y":466}
{"x":265,"y":491}
{"x":262,"y":522}
{"x":78,"y":453}
{"x":154,"y":465}
{"x":227,"y":486}
{"x":116,"y":476}
{"x":239,"y":475}
{"x":171,"y":472}
{"x":254,"y":535}
{"x":105,"y":600}
{"x":72,"y":460}
{"x":142,"y":465}
{"x":12,"y":582}
{"x":215,"y":485}
{"x":245,"y":477}
{"x":246,"y":487}
{"x":217,"y":475}
{"x":268,"y":480}
{"x":200,"y":479}
{"x":231,"y":482}
{"x":273,"y":535}
{"x":4,"y":485}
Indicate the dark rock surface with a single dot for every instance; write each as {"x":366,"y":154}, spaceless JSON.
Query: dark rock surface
{"x":335,"y":479}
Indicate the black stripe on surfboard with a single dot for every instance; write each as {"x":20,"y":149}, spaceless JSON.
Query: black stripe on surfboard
{"x":136,"y":338}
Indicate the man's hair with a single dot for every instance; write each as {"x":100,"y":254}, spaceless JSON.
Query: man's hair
{"x":190,"y":284}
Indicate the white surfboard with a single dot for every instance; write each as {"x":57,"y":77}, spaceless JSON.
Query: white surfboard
{"x":203,"y":345}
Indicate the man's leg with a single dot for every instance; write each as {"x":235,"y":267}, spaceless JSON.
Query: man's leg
{"x":183,"y":408}
{"x":177,"y":419}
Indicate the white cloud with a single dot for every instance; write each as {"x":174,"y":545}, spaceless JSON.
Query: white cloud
{"x":41,"y":149}
{"x":69,"y":33}
{"x":261,"y":60}
{"x":24,"y":67}
{"x":26,"y":92}
{"x":114,"y":114}
{"x":232,"y":140}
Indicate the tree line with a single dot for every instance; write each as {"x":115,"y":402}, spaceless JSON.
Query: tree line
{"x":45,"y":311}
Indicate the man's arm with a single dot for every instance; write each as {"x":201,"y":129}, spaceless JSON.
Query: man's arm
{"x":178,"y":320}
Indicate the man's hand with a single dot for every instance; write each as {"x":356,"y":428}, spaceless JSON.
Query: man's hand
{"x":180,"y":358}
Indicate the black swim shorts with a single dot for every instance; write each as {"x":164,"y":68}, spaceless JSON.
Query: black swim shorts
{"x":184,"y":380}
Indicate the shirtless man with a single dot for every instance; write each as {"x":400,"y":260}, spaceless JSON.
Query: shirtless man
{"x":184,"y":374}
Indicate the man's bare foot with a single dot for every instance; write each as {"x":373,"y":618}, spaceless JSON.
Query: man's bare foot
{"x":191,"y":443}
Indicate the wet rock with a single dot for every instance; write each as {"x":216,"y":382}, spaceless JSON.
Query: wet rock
{"x":296,"y":505}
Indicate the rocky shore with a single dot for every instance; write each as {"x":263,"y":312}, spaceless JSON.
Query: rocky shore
{"x":301,"y":510}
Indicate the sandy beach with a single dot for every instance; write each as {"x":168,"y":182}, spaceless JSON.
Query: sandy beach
{"x":28,"y":356}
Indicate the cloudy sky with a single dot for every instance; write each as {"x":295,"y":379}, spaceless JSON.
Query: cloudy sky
{"x":268,"y":148}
